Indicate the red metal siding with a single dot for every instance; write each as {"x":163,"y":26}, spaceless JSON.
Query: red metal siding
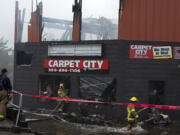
{"x":33,"y":28}
{"x":152,"y":20}
{"x":76,"y":28}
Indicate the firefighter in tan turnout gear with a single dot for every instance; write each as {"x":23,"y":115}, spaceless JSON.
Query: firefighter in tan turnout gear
{"x":5,"y":87}
{"x":62,"y":93}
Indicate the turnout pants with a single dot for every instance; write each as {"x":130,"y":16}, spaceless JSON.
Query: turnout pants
{"x":3,"y":102}
{"x":131,"y":124}
{"x":61,"y":106}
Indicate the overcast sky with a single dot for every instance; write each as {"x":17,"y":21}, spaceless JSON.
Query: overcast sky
{"x":61,"y":9}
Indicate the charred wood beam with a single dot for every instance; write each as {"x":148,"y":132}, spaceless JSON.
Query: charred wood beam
{"x":121,"y":5}
{"x":77,"y":19}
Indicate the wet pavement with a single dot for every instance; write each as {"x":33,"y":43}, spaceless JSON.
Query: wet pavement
{"x":6,"y":128}
{"x":54,"y":127}
{"x":10,"y":133}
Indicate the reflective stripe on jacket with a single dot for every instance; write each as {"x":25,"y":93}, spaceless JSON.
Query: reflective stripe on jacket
{"x":1,"y":116}
{"x":61,"y":94}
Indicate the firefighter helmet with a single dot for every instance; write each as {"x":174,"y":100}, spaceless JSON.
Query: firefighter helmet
{"x":133,"y":99}
{"x":61,"y":85}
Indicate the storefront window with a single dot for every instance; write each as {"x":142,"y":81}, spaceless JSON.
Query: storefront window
{"x":98,"y":88}
{"x":49,"y":85}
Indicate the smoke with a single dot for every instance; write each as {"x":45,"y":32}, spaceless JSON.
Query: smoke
{"x":60,"y":9}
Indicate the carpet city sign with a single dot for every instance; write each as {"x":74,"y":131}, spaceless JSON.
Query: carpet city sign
{"x":150,"y":52}
{"x":78,"y":66}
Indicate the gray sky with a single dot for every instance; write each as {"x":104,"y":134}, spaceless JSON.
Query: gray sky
{"x":54,"y":9}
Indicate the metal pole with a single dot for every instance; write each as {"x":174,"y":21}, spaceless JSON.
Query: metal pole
{"x":19,"y":111}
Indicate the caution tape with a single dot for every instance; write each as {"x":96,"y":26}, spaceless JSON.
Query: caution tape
{"x":100,"y":102}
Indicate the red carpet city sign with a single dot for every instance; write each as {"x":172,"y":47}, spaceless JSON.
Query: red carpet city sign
{"x":61,"y":65}
{"x":150,"y":52}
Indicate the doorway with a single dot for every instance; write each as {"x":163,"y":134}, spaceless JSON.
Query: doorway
{"x":159,"y":87}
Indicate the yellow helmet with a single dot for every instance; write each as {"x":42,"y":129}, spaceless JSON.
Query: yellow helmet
{"x":133,"y":99}
{"x":61,"y":85}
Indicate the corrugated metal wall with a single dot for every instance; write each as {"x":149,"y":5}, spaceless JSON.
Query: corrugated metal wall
{"x":152,"y":20}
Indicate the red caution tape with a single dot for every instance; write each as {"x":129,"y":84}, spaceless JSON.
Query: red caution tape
{"x":12,"y":93}
{"x":100,"y":102}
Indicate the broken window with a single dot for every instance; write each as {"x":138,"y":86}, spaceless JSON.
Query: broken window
{"x":49,"y":85}
{"x":98,"y":88}
{"x":23,"y":58}
{"x":46,"y":87}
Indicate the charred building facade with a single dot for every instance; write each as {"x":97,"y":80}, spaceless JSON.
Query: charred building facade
{"x":105,"y":70}
{"x":146,"y":57}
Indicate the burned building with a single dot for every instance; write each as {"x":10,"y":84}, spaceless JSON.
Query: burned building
{"x":109,"y":70}
{"x":104,"y":70}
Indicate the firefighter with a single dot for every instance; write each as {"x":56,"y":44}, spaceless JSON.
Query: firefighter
{"x":5,"y":87}
{"x":62,"y":93}
{"x":131,"y":114}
